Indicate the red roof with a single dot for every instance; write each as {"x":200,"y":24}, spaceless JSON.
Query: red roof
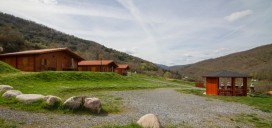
{"x":41,"y":51}
{"x":95,"y":62}
{"x":123,"y":66}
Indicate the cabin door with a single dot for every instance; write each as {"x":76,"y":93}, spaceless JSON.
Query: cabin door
{"x":212,"y":85}
{"x":59,"y":65}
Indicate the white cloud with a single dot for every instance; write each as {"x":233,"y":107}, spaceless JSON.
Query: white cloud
{"x":170,"y":33}
{"x":137,"y":15}
{"x":238,"y":15}
{"x":49,"y":2}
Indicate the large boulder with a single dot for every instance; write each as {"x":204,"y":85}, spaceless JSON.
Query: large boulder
{"x":29,"y":98}
{"x":149,"y":121}
{"x":269,"y":93}
{"x":73,"y":102}
{"x":93,"y":104}
{"x":52,"y":100}
{"x":11,"y":93}
{"x":4,"y":88}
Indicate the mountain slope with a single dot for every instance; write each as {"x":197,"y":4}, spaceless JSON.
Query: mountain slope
{"x":256,"y":62}
{"x":17,"y":34}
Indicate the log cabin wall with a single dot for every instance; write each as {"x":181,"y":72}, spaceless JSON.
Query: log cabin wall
{"x":97,"y":68}
{"x":26,"y":63}
{"x":59,"y":61}
{"x":121,"y":71}
{"x":9,"y":60}
{"x":23,"y":63}
{"x":55,"y":61}
{"x":89,"y":68}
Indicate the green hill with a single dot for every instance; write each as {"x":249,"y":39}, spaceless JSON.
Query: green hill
{"x":17,"y":34}
{"x":63,"y":82}
{"x":256,"y":62}
{"x":5,"y":68}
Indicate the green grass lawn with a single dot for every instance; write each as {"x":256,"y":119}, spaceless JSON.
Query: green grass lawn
{"x":5,"y":68}
{"x":7,"y":124}
{"x":259,"y":101}
{"x":259,"y":122}
{"x":65,"y":84}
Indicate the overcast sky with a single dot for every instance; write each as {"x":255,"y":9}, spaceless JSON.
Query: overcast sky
{"x":170,"y":32}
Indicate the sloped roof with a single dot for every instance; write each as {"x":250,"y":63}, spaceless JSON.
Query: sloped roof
{"x":226,"y":74}
{"x":96,"y":62}
{"x":123,"y":66}
{"x":42,"y":51}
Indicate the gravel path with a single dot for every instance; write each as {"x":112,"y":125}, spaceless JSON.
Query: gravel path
{"x":171,"y":107}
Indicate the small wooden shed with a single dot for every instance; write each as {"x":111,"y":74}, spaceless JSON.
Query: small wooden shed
{"x":97,"y":65}
{"x":216,"y":87}
{"x":58,"y":59}
{"x":122,"y":69}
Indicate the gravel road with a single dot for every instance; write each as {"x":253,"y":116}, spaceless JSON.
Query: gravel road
{"x":173,"y":108}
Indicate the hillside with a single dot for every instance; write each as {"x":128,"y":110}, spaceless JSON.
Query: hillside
{"x":255,"y":62}
{"x":17,"y":34}
{"x":5,"y":68}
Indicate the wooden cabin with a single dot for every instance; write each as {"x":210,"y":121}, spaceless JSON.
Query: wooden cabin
{"x":122,"y":69}
{"x":57,"y":59}
{"x":97,"y":65}
{"x":226,"y":83}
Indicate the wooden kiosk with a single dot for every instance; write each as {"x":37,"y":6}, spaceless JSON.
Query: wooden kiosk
{"x":213,"y":86}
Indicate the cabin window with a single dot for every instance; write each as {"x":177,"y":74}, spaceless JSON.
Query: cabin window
{"x":72,"y":63}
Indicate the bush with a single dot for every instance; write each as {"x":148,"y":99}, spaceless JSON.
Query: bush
{"x":263,"y":86}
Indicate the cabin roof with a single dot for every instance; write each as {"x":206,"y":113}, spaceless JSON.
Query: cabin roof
{"x":42,"y":51}
{"x":226,"y":74}
{"x":123,"y":66}
{"x":96,"y":62}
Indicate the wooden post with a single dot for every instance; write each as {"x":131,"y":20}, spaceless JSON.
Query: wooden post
{"x":101,"y":65}
{"x":233,"y":86}
{"x":244,"y":86}
{"x":16,"y":62}
{"x":34,"y":63}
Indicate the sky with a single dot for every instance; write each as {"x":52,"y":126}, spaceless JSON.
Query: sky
{"x":169,"y":32}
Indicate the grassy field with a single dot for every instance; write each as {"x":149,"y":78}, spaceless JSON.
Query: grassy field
{"x":8,"y":124}
{"x":259,"y":101}
{"x":65,"y":84}
{"x":259,"y":122}
{"x":71,"y":83}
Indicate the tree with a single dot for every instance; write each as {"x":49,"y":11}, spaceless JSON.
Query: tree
{"x":11,"y":40}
